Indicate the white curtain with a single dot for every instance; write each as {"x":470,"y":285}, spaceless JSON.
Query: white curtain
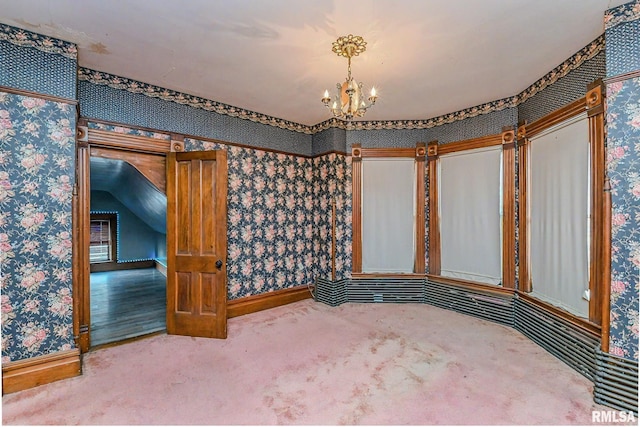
{"x":388,"y":215}
{"x":470,"y":190}
{"x":559,"y":219}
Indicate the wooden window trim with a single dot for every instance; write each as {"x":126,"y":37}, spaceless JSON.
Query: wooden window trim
{"x":357,"y":154}
{"x":434,"y":151}
{"x":600,"y":226}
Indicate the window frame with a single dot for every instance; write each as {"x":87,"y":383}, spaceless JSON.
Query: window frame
{"x":419,"y":154}
{"x":600,"y":211}
{"x":506,"y":140}
{"x":112,"y":218}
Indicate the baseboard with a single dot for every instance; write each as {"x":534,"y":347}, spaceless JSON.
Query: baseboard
{"x":162,"y":269}
{"x":246,"y":305}
{"x":35,"y":371}
{"x":113,"y":266}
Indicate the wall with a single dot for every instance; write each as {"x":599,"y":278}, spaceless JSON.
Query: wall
{"x":136,"y":240}
{"x":308,"y":185}
{"x":118,"y":99}
{"x":271,"y":216}
{"x":623,"y":157}
{"x":37,"y":151}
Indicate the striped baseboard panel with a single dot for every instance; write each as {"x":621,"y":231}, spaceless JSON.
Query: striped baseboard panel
{"x":616,"y":382}
{"x":386,"y":290}
{"x":574,"y":346}
{"x":485,"y":305}
{"x":330,"y":292}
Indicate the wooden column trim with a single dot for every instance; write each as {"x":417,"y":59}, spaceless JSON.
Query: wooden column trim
{"x":509,"y":209}
{"x":356,"y":173}
{"x":80,"y":258}
{"x":434,"y":210}
{"x":600,"y":262}
{"x":35,"y":371}
{"x":421,"y":155}
{"x":524,"y":277}
{"x":606,"y":269}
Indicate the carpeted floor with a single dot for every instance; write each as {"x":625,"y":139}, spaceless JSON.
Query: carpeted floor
{"x":308,"y":363}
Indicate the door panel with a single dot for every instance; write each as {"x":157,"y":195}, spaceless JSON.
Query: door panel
{"x":196,"y":241}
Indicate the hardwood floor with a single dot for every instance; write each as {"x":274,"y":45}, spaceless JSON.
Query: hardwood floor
{"x":126,"y":304}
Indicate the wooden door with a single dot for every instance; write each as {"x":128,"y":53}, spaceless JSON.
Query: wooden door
{"x":197,"y":244}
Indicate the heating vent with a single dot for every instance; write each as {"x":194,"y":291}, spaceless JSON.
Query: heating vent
{"x":616,"y":382}
{"x":484,"y":305}
{"x":331,"y":293}
{"x":383,"y":289}
{"x":567,"y":342}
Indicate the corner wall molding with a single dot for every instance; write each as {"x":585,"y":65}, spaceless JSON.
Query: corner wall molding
{"x":123,"y":83}
{"x":25,"y":38}
{"x":624,"y":13}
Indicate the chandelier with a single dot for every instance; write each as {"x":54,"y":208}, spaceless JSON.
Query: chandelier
{"x":348,"y":101}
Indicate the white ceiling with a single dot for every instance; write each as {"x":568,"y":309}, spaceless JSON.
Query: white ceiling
{"x":425,"y":57}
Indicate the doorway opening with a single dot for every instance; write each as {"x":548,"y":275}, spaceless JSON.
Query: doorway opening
{"x":127,"y":251}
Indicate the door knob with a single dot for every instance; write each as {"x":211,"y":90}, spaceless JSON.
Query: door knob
{"x":219,"y":264}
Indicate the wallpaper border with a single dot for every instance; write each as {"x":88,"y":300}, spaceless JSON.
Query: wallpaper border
{"x":624,"y":13}
{"x":25,"y":38}
{"x":133,"y":86}
{"x":123,"y":83}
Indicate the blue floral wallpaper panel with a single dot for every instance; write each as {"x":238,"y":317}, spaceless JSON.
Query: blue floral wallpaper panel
{"x":332,"y":184}
{"x":270,"y":219}
{"x":37,"y":151}
{"x":623,"y":158}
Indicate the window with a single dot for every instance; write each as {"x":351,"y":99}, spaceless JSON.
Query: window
{"x":388,"y":215}
{"x":470,"y":215}
{"x":388,"y":210}
{"x":102,"y":241}
{"x":559,"y":215}
{"x":565,"y":253}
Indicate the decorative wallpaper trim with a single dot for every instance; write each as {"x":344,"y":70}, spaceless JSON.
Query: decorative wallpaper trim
{"x":575,"y":61}
{"x":624,"y":13}
{"x":116,"y":82}
{"x":46,"y":44}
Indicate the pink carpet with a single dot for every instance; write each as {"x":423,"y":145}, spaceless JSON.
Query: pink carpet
{"x":308,"y":363}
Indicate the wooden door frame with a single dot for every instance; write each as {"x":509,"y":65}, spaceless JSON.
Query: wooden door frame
{"x":86,"y":140}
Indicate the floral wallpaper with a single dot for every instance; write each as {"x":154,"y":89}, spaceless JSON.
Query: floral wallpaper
{"x":37,"y":150}
{"x":270,"y":219}
{"x":332,"y":183}
{"x":623,"y":164}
